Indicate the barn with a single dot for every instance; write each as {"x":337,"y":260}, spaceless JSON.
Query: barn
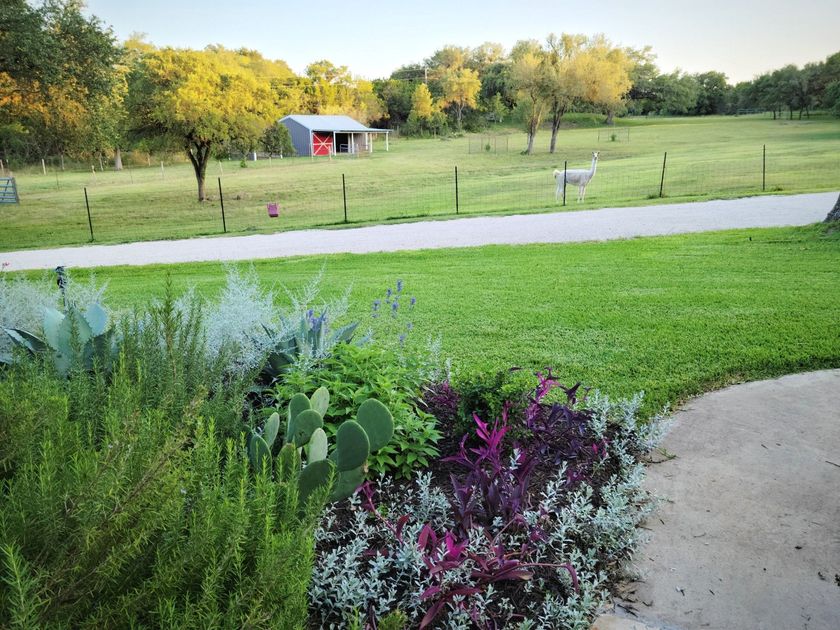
{"x":329,"y":135}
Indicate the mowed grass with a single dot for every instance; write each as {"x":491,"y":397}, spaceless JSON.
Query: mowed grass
{"x":707,"y":157}
{"x":673,"y":316}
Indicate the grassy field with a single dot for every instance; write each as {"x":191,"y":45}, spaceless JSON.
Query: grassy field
{"x":707,"y":157}
{"x":673,"y":316}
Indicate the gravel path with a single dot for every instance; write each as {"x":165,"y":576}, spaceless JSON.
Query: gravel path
{"x":748,"y":537}
{"x":560,"y":227}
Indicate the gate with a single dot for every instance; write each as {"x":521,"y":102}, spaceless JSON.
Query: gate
{"x":8,"y":190}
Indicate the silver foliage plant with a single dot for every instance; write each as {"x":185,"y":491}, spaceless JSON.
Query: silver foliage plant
{"x":363,"y":569}
{"x":245,"y":322}
{"x":22,"y":301}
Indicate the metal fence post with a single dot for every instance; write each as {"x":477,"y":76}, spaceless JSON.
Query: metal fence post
{"x":222,"y":202}
{"x":90,"y":223}
{"x":344,"y":195}
{"x":662,"y":180}
{"x":764,"y":168}
{"x":565,"y":167}
{"x":457,"y":196}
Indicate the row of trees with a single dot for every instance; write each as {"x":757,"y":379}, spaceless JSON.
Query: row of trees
{"x":469,"y":87}
{"x":67,"y":87}
{"x":814,"y":86}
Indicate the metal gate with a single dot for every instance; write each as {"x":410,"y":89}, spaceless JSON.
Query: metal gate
{"x":8,"y":190}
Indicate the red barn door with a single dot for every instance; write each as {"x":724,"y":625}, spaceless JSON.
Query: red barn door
{"x":322,"y":143}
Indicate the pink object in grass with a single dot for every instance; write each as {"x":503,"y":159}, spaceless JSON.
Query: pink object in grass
{"x":273,"y":210}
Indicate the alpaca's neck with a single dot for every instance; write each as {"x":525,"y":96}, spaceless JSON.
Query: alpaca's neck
{"x":594,"y":163}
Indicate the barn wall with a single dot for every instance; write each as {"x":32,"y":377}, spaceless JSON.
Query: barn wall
{"x":300,"y":136}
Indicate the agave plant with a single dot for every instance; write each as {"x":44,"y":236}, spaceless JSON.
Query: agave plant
{"x":74,"y":337}
{"x":309,"y":338}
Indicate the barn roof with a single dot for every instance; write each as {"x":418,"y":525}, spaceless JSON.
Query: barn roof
{"x":329,"y":123}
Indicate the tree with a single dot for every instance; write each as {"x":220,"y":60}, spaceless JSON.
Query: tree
{"x":199,"y":100}
{"x":605,"y":70}
{"x":834,"y":215}
{"x":562,"y":83}
{"x":677,"y":93}
{"x":643,"y":73}
{"x":425,"y":113}
{"x":713,"y":93}
{"x":460,"y":88}
{"x":56,"y":65}
{"x":277,"y":139}
{"x":526,"y":77}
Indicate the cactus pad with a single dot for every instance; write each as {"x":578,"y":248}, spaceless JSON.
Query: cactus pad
{"x":298,"y":403}
{"x":304,"y":425}
{"x":320,"y":400}
{"x":377,"y":422}
{"x":352,"y":446}
{"x":346,"y":483}
{"x":317,"y":449}
{"x":258,"y":452}
{"x":272,"y":426}
{"x":315,"y":476}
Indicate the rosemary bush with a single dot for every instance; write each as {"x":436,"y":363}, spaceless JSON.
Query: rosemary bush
{"x":127,"y":499}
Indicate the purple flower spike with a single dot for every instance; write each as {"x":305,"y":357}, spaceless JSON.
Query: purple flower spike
{"x":399,"y":286}
{"x":413,"y":301}
{"x":388,"y":292}
{"x":395,"y":305}
{"x":376,"y":304}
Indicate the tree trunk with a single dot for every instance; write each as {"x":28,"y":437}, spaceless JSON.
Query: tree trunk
{"x":199,"y":153}
{"x":834,"y":215}
{"x":610,"y":117}
{"x":117,"y":159}
{"x":556,"y":115}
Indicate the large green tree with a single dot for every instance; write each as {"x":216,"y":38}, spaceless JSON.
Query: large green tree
{"x":56,"y":67}
{"x":199,"y":100}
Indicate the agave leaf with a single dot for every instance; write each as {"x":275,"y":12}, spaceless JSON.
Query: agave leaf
{"x":96,"y":318}
{"x":52,"y":323}
{"x":26,"y":340}
{"x":345,"y":333}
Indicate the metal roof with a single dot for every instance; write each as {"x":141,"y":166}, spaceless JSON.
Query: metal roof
{"x":329,"y":123}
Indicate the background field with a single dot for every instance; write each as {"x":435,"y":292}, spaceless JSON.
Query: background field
{"x":707,"y":157}
{"x":673,"y":316}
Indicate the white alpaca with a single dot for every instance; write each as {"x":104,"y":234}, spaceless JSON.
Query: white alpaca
{"x":576,"y":177}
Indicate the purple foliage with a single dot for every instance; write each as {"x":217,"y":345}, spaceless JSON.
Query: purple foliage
{"x":561,"y":431}
{"x":442,"y":401}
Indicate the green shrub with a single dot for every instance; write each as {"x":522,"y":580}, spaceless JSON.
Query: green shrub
{"x":485,"y":394}
{"x":125,"y":504}
{"x":355,"y":373}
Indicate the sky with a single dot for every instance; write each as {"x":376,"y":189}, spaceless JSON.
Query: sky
{"x":741,"y":38}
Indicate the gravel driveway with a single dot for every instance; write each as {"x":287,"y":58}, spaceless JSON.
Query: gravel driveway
{"x":559,"y":227}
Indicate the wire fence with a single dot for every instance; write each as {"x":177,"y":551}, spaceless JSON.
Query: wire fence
{"x":141,"y":203}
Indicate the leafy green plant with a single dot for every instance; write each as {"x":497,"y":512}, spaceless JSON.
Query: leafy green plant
{"x":124,"y":505}
{"x":355,"y":373}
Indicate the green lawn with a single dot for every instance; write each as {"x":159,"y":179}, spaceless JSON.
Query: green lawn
{"x":707,"y":157}
{"x":674,"y":316}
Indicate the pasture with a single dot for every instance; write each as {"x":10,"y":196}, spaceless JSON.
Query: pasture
{"x":712,"y":157}
{"x":673,"y":316}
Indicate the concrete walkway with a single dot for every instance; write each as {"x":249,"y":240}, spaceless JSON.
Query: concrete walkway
{"x":561,"y":227}
{"x":749,"y":535}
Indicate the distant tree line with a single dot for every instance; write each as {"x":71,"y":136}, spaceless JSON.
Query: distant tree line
{"x":69,"y":88}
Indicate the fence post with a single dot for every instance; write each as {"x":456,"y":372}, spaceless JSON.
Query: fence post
{"x":565,"y":166}
{"x":457,"y":196}
{"x":222,"y":202}
{"x":90,"y":223}
{"x":764,"y":168}
{"x":662,"y":180}
{"x":344,"y":195}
